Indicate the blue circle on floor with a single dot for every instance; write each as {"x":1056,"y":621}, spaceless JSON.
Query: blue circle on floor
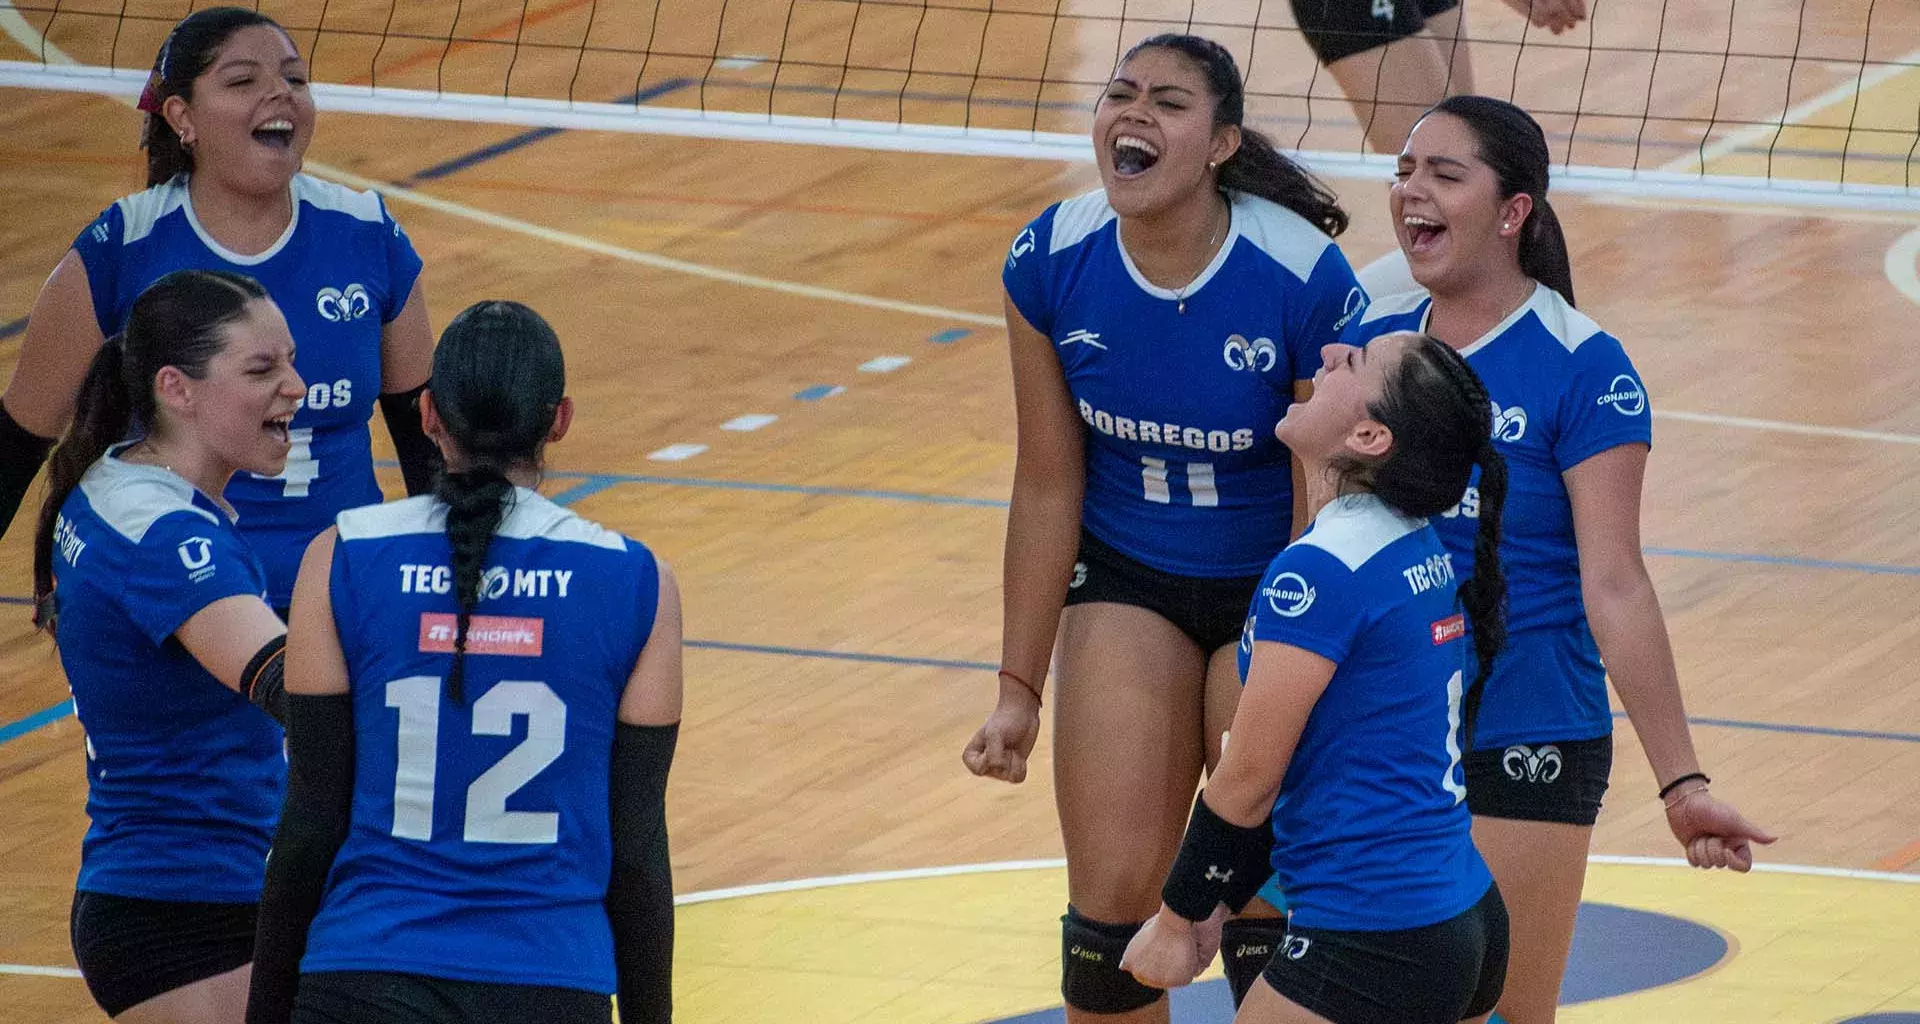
{"x":1616,"y":950}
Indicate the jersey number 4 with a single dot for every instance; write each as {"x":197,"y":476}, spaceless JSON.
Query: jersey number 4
{"x":1156,"y":476}
{"x":487,"y":819}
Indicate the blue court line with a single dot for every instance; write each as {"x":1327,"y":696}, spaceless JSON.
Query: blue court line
{"x":16,"y":600}
{"x":486,"y":153}
{"x":817,"y":392}
{"x":1788,"y":561}
{"x":36,"y":720}
{"x":65,"y":708}
{"x":804,"y":652}
{"x":950,"y":335}
{"x":590,"y":486}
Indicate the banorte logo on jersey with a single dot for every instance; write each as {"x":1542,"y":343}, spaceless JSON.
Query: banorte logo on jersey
{"x":1625,"y":395}
{"x":1289,"y":595}
{"x":339,"y":305}
{"x":1258,"y":356}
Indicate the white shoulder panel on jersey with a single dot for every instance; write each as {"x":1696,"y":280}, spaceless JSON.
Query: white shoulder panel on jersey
{"x":1570,"y":327}
{"x":420,"y":514}
{"x":535,"y":518}
{"x":131,"y":498}
{"x":1285,"y":236}
{"x":1394,"y":305}
{"x":1356,"y":527}
{"x":1077,"y":218}
{"x":142,"y":210}
{"x":327,"y":195}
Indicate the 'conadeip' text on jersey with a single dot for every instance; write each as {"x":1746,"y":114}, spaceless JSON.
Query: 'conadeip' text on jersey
{"x":1563,"y":391}
{"x":1371,"y":831}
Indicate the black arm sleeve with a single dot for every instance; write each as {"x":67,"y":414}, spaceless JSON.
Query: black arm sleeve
{"x":313,"y":824}
{"x":419,"y":456}
{"x":21,"y":453}
{"x":640,"y":892}
{"x":264,"y":680}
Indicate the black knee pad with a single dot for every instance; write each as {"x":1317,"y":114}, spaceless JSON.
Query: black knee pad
{"x":1090,"y":974}
{"x":1246,"y":944}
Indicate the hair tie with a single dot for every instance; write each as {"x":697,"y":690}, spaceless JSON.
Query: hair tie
{"x":150,"y":96}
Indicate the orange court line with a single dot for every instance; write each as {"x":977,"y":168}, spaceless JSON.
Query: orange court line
{"x":1900,"y":858}
{"x":503,"y":30}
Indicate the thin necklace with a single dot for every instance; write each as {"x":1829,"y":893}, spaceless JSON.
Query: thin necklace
{"x":1180,"y":294}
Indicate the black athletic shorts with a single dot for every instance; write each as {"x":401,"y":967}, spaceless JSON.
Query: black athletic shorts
{"x":1342,"y":28}
{"x":1439,"y":974}
{"x":1562,"y":781}
{"x":1212,"y":612}
{"x":377,"y":997}
{"x":130,"y":950}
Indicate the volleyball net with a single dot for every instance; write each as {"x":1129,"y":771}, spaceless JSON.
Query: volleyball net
{"x":1790,"y":101}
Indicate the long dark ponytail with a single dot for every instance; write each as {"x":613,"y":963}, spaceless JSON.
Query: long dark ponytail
{"x":178,"y":321}
{"x":1512,"y":143}
{"x":498,"y":378}
{"x":1442,"y":423}
{"x":1257,"y":167}
{"x":188,"y":52}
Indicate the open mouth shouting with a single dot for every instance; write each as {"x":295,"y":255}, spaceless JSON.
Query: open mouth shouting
{"x":1423,"y":233}
{"x":1133,"y":156}
{"x":276,"y":133}
{"x":279,"y":428}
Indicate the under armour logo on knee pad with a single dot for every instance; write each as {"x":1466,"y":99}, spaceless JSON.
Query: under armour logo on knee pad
{"x":1214,"y":874}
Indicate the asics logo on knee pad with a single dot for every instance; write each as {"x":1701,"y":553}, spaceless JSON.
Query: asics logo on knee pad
{"x":1524,"y":764}
{"x":1092,"y":956}
{"x":1252,"y":949}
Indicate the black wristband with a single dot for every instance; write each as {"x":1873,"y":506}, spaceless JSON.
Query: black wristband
{"x":264,"y":680}
{"x":1219,"y":862}
{"x":1689,"y":777}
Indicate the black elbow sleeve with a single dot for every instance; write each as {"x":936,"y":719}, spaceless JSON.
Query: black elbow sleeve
{"x":640,"y":892}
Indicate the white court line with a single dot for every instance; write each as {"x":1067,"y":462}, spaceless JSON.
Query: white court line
{"x":647,"y":259}
{"x":1783,"y":427}
{"x":952,"y":870}
{"x":24,"y":33}
{"x":1699,"y":159}
{"x":1900,"y":264}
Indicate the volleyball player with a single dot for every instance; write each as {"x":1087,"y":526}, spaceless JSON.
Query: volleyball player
{"x":1395,"y":58}
{"x":430,"y":867}
{"x":1344,"y":771}
{"x":228,"y":120}
{"x":1157,"y":326}
{"x":1571,"y":416}
{"x":156,"y":602}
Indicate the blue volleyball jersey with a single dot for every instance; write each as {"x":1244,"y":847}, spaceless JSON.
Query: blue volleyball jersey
{"x":184,"y":776}
{"x":340,"y":273}
{"x":1371,"y":831}
{"x":480,"y":846}
{"x":1563,"y":391}
{"x":1183,"y":471}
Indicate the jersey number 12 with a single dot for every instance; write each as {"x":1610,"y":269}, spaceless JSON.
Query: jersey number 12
{"x":487,"y":819}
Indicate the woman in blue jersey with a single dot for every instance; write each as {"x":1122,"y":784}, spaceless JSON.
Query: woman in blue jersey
{"x":429,"y":866}
{"x":228,"y":121}
{"x":158,"y":607}
{"x":1343,"y":772}
{"x":1573,"y":421}
{"x":1158,"y":328}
